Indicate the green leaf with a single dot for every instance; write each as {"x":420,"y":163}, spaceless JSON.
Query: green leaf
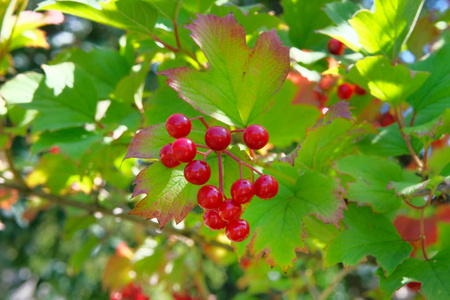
{"x":77,"y":258}
{"x":241,"y":83}
{"x":303,"y":18}
{"x":74,"y":224}
{"x":432,"y":273}
{"x":252,"y":20}
{"x":388,"y":83}
{"x":432,"y":97}
{"x":340,"y":13}
{"x":167,"y":8}
{"x":367,"y":234}
{"x":72,"y":141}
{"x":21,"y":88}
{"x":65,"y":98}
{"x":386,"y":30}
{"x":388,"y":142}
{"x":408,"y":188}
{"x":288,"y":115}
{"x":276,"y":225}
{"x":136,"y":15}
{"x":110,"y":67}
{"x":323,"y":144}
{"x":372,"y":175}
{"x":130,"y":87}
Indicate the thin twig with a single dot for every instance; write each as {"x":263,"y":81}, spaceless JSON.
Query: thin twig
{"x":65,"y":201}
{"x":201,"y":120}
{"x":422,"y":225}
{"x":407,"y":139}
{"x":337,"y":279}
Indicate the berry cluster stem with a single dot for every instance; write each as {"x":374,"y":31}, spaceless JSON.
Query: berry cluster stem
{"x":241,"y":162}
{"x":201,"y":120}
{"x":219,"y":159}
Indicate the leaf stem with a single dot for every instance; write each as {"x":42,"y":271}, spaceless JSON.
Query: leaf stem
{"x":422,"y":225}
{"x":401,"y":124}
{"x":241,"y":162}
{"x":201,"y":120}
{"x":412,"y":205}
{"x":219,"y":159}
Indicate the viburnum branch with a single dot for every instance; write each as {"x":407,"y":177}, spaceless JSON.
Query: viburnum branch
{"x":201,"y":120}
{"x":241,"y":162}
{"x":201,"y":153}
{"x":219,"y":159}
{"x":337,"y":279}
{"x":400,"y":122}
{"x":240,"y":171}
{"x":65,"y":201}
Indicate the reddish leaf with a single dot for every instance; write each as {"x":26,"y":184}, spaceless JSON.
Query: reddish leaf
{"x":409,"y":228}
{"x":338,"y":110}
{"x":148,"y":142}
{"x":242,"y":81}
{"x":7,"y":198}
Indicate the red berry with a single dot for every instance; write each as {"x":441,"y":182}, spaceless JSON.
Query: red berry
{"x":140,"y":297}
{"x":386,"y":119}
{"x":197,"y":172}
{"x":217,"y":138}
{"x":359,"y":90}
{"x":242,"y":191}
{"x":237,"y":230}
{"x":266,"y":187}
{"x":209,"y":197}
{"x":184,"y":150}
{"x":345,"y":91}
{"x":166,"y":157}
{"x":256,"y":137}
{"x":178,"y":125}
{"x":115,"y":296}
{"x":414,"y":285}
{"x":212,"y":219}
{"x":335,"y":47}
{"x":54,"y":150}
{"x":230,"y":210}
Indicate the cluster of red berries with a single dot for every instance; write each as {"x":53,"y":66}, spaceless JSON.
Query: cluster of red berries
{"x":130,"y":292}
{"x":220,"y":212}
{"x":345,"y":91}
